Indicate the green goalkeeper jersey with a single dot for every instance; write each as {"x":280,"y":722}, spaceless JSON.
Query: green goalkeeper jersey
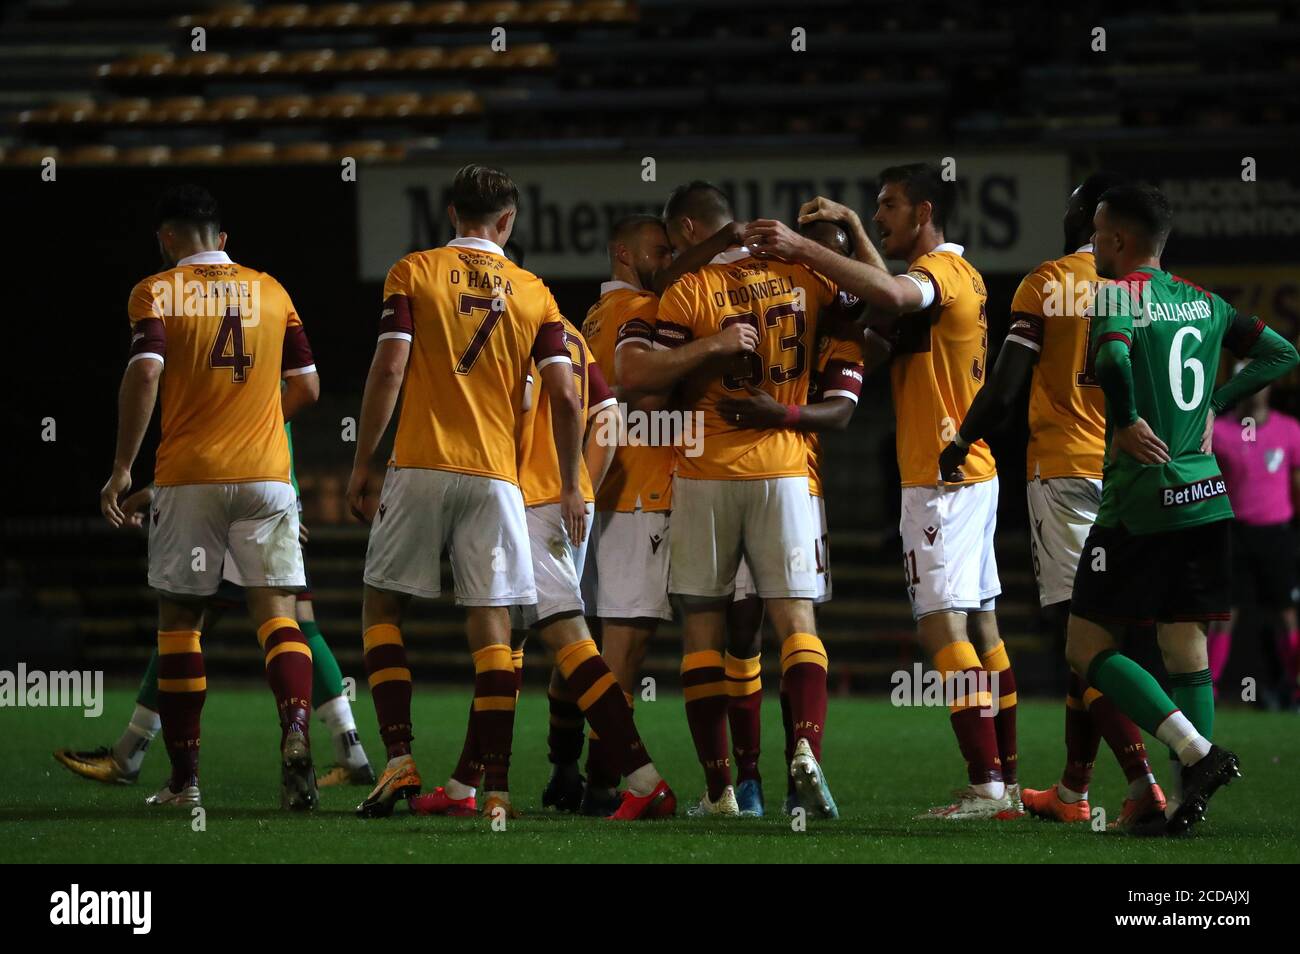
{"x":293,"y":471}
{"x":1174,"y":332}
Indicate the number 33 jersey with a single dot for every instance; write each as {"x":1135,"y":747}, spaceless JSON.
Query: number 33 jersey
{"x":476,"y":323}
{"x":226,"y":335}
{"x":782,"y":301}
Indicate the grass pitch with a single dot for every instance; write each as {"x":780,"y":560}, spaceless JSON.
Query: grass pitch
{"x":884,"y":765}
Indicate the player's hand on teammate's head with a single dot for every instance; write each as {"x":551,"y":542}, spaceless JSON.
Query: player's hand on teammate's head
{"x":109,"y":497}
{"x":950,"y":460}
{"x":824,"y":209}
{"x":733,"y":232}
{"x":1141,"y":443}
{"x":573,"y":511}
{"x":770,"y":238}
{"x":364,"y":487}
{"x":759,"y":410}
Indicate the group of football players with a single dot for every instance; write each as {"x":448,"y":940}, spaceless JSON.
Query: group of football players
{"x":521,"y":450}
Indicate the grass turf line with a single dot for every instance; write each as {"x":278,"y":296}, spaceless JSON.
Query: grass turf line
{"x":884,"y":764}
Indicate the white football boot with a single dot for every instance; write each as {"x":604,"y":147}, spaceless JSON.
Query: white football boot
{"x":724,"y":807}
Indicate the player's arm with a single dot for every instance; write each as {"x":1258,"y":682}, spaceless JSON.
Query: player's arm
{"x":1271,"y":356}
{"x":382,"y":391}
{"x":301,"y":383}
{"x":135,"y":400}
{"x":1112,"y":339}
{"x":566,"y":429}
{"x":761,"y":411}
{"x":824,"y":209}
{"x":604,"y":426}
{"x":884,"y":293}
{"x":697,"y":256}
{"x":991,"y":405}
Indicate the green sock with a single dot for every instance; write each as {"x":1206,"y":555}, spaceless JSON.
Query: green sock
{"x":1133,"y":690}
{"x":1194,"y":693}
{"x":326,"y":676}
{"x":148,"y":694}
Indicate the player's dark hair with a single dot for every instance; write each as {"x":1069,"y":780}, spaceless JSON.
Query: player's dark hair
{"x":809,"y":227}
{"x":190,"y":205}
{"x":1083,"y":204}
{"x":1143,"y":207}
{"x":628,"y":226}
{"x":699,"y":200}
{"x":479,"y":192}
{"x":923,"y":182}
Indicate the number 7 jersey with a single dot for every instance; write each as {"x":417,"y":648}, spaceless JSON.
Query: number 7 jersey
{"x":476,"y":323}
{"x":225,"y":335}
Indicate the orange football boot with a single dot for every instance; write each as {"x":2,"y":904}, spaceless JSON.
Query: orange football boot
{"x":438,"y":802}
{"x":495,"y":801}
{"x":1047,"y":804}
{"x":660,"y":803}
{"x":1138,"y":811}
{"x":400,"y":780}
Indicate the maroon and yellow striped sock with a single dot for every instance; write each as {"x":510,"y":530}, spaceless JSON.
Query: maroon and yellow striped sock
{"x":744,"y":704}
{"x":564,"y":735}
{"x":469,"y":768}
{"x":704,"y":687}
{"x":997,"y":661}
{"x":603,"y":704}
{"x":803,"y":671}
{"x":389,"y":677}
{"x":1082,"y":739}
{"x":182,"y":689}
{"x":787,"y":723}
{"x":1121,"y":735}
{"x":288,"y":671}
{"x":493,"y":714}
{"x":969,"y":711}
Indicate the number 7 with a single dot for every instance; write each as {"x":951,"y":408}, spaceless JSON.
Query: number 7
{"x":467,"y":305}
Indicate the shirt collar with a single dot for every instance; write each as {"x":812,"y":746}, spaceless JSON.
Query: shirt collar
{"x":615,"y":285}
{"x":1084,"y":248}
{"x":731,"y":255}
{"x":950,"y":247}
{"x":483,"y":245}
{"x":214,"y":257}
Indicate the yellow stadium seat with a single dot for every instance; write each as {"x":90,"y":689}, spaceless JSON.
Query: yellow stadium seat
{"x":249,"y":152}
{"x":364,"y":61}
{"x":360,"y":150}
{"x":253,"y":64}
{"x":494,"y":11}
{"x":391,"y":106}
{"x":97,"y":154}
{"x":145,"y":64}
{"x":305,"y":152}
{"x":387,"y":14}
{"x":31,"y":155}
{"x":338,"y":105}
{"x":334,"y":15}
{"x":306,"y":61}
{"x":549,"y":11}
{"x":419,"y":58}
{"x":282,"y":16}
{"x":474,"y":58}
{"x":607,"y":11}
{"x":197,"y":155}
{"x":129,"y":110}
{"x":233,"y":109}
{"x":177,"y":109}
{"x":285,"y":108}
{"x":440,"y":14}
{"x":77,"y":110}
{"x":203,"y":64}
{"x":450,"y":104}
{"x":229,"y":16}
{"x":529,"y":56}
{"x":145,"y":156}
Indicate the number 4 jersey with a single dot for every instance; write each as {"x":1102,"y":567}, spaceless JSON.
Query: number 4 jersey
{"x":1174,"y":332}
{"x":226,"y":335}
{"x":476,"y":323}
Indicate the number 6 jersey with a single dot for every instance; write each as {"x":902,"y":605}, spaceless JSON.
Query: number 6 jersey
{"x":476,"y":323}
{"x":225,"y":335}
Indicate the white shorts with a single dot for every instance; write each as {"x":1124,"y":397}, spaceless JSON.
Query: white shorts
{"x":481,"y":522}
{"x":767,"y":521}
{"x":823,"y":544}
{"x":630,"y":580}
{"x":249,"y":528}
{"x":1061,"y":512}
{"x":557,"y":566}
{"x":948,"y":547}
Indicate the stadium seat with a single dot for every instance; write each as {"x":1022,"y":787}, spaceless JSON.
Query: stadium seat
{"x":74,"y":110}
{"x":178,"y":109}
{"x":529,"y":56}
{"x":306,"y":61}
{"x":387,"y":14}
{"x":197,"y":155}
{"x":249,"y":152}
{"x":96,"y":154}
{"x":419,"y":58}
{"x":232,"y":109}
{"x":473,"y":58}
{"x":549,"y":11}
{"x":364,"y":61}
{"x":31,"y":155}
{"x":285,"y":108}
{"x":391,"y":106}
{"x":280,"y":17}
{"x":338,"y":105}
{"x":439,"y":14}
{"x":254,"y":63}
{"x":203,"y":64}
{"x":145,"y":156}
{"x":145,"y":64}
{"x":335,"y":15}
{"x":606,"y":11}
{"x":450,"y":104}
{"x":232,"y":16}
{"x":132,"y":109}
{"x":493,"y":11}
{"x":305,"y":152}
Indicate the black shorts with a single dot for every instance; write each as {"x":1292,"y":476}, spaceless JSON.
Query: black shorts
{"x":1263,"y":565}
{"x":1140,"y":579}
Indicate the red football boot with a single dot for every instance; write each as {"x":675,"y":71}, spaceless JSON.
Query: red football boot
{"x":438,"y":802}
{"x":660,"y":803}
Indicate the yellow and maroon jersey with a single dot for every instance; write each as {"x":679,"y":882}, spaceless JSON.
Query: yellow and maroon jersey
{"x":539,"y":464}
{"x":1067,"y":412}
{"x":226,"y":335}
{"x":938,"y":365}
{"x":784,"y":302}
{"x":476,"y":321}
{"x":641,"y":474}
{"x":840,"y":367}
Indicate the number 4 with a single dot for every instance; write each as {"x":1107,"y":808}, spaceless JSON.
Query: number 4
{"x":228,"y":348}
